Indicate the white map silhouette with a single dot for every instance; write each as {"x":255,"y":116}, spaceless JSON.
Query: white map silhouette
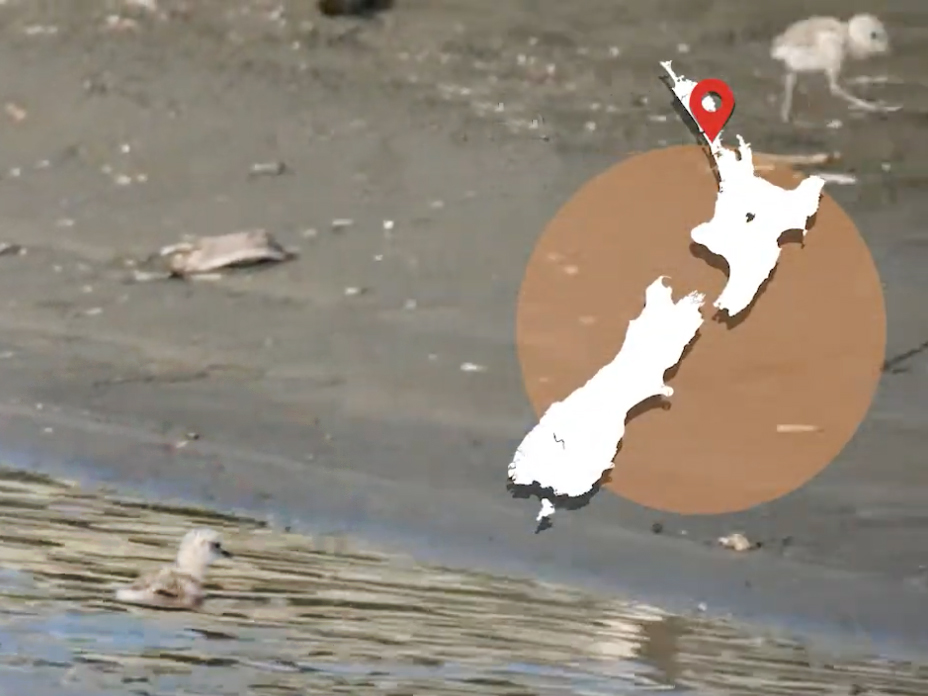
{"x":575,"y":441}
{"x":751,"y":215}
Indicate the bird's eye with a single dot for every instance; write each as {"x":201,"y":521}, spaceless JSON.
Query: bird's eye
{"x":874,"y":35}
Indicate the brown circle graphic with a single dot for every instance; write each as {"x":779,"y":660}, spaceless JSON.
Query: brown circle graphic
{"x":763,"y":402}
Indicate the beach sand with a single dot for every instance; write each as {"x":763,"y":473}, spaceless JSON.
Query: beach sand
{"x":467,"y":125}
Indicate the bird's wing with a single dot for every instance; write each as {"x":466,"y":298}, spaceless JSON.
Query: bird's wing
{"x":166,"y":582}
{"x":808,"y":32}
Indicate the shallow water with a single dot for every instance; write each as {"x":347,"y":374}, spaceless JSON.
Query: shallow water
{"x":293,"y":615}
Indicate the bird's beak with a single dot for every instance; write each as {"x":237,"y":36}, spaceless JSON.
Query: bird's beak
{"x":225,"y":553}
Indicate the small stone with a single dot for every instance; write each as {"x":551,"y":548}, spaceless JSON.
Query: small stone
{"x":268,"y":169}
{"x":736,"y":542}
{"x":15,"y":112}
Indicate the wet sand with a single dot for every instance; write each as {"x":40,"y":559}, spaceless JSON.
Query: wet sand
{"x":351,"y":413}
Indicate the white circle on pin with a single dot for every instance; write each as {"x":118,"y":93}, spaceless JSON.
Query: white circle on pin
{"x":709,"y":103}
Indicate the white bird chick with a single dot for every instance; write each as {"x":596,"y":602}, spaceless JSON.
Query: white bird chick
{"x":178,"y":586}
{"x":821,"y":44}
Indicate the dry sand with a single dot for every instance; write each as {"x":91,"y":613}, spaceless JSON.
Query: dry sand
{"x":467,"y":124}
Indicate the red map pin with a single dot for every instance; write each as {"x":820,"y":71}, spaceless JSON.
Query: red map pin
{"x":712,"y":122}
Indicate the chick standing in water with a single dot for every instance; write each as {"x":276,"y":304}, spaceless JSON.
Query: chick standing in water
{"x":178,"y":586}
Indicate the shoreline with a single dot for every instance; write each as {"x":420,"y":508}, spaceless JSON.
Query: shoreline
{"x":304,"y":611}
{"x":844,"y":610}
{"x":349,"y":411}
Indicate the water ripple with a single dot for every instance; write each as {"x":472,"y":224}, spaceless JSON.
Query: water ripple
{"x":292,"y":614}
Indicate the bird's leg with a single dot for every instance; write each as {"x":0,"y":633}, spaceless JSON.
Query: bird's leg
{"x":789,"y":86}
{"x":838,"y":91}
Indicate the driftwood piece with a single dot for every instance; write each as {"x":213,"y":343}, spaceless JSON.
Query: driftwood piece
{"x":797,"y":159}
{"x":798,"y":428}
{"x":209,"y":254}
